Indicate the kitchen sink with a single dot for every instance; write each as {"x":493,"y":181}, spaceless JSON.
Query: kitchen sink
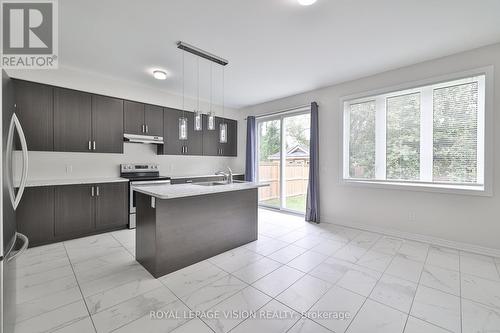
{"x":210,"y":183}
{"x":216,"y":183}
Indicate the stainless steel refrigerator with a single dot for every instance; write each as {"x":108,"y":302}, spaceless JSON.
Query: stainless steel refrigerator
{"x":12,"y":243}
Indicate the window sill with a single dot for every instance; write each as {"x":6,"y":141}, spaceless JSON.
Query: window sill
{"x":476,"y":190}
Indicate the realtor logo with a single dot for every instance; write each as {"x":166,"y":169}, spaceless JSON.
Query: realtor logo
{"x":29,"y":34}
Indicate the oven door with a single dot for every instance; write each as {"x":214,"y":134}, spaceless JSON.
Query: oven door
{"x":132,"y":194}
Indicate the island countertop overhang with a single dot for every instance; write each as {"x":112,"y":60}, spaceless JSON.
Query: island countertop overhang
{"x":168,"y":191}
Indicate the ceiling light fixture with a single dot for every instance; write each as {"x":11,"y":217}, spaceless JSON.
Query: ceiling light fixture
{"x":183,"y":122}
{"x":160,"y":75}
{"x":306,"y":2}
{"x":197,"y":113}
{"x":211,"y":119}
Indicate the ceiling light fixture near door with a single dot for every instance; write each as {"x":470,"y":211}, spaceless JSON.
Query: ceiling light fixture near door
{"x":306,"y":2}
{"x":160,"y":75}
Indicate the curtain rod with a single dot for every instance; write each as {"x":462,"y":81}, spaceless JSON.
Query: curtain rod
{"x":295,"y":108}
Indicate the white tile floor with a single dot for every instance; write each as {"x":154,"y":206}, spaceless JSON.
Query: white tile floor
{"x":385,"y":284}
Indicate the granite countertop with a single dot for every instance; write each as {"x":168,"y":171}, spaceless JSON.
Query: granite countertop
{"x":71,"y":181}
{"x":166,"y":191}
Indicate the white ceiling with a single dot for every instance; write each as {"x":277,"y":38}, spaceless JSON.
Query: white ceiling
{"x":275,"y":48}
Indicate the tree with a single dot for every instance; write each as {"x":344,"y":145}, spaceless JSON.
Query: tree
{"x":297,"y":133}
{"x":269,"y":139}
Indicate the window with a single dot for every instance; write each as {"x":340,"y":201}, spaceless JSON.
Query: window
{"x":432,"y":135}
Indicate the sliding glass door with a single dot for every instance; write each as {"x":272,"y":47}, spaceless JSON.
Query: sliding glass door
{"x":269,"y":168}
{"x":283,"y":163}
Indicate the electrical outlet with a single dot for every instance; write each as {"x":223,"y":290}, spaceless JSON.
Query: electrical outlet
{"x":412,"y":216}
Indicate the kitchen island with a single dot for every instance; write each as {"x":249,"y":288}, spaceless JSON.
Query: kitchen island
{"x":179,"y":225}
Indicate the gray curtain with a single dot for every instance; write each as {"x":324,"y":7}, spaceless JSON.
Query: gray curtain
{"x":251,"y":154}
{"x":312,"y":203}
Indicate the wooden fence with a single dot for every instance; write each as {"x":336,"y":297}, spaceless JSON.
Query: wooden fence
{"x":296,"y":176}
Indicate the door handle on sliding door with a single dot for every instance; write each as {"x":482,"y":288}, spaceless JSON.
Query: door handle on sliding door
{"x":15,"y":124}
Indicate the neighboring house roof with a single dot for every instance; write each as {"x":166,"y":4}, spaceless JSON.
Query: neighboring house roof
{"x":296,"y":152}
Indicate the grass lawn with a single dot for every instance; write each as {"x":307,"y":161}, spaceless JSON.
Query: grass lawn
{"x":297,"y":202}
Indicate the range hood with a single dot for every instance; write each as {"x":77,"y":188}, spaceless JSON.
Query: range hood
{"x":143,"y":139}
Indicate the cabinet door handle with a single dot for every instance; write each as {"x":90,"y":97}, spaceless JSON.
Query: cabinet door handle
{"x":93,"y":145}
{"x":147,"y":129}
{"x":186,"y":149}
{"x":97,"y":190}
{"x":92,"y":191}
{"x":90,"y":145}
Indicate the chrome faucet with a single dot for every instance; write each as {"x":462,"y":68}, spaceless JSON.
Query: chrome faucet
{"x":229,"y":176}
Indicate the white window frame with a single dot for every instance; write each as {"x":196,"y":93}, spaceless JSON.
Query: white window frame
{"x":485,"y":134}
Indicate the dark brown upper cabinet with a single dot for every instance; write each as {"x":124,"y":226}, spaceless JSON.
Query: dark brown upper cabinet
{"x":35,"y":110}
{"x":211,"y":138}
{"x":153,"y":120}
{"x":173,"y":145}
{"x":107,"y":124}
{"x":133,"y":113}
{"x":195,"y":138}
{"x":231,"y":147}
{"x":60,"y":119}
{"x":143,"y":119}
{"x":72,"y":121}
{"x":87,"y":123}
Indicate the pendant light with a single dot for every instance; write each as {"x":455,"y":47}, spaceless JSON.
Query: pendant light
{"x":223,"y":125}
{"x":211,"y":114}
{"x":197,"y":112}
{"x":183,"y":122}
{"x":211,"y":119}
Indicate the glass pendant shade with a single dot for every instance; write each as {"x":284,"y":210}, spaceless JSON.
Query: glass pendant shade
{"x":211,"y":121}
{"x":223,"y":133}
{"x":183,"y":128}
{"x":197,"y":121}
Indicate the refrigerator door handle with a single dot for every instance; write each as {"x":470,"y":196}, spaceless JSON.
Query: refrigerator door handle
{"x":15,"y":124}
{"x":23,"y":248}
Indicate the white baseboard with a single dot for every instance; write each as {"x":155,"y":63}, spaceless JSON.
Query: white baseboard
{"x":423,"y":238}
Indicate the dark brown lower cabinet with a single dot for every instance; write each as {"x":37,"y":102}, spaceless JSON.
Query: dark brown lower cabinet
{"x":55,"y":213}
{"x":111,"y":203}
{"x":35,"y":215}
{"x":74,"y":210}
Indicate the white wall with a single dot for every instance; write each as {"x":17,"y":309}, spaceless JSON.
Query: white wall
{"x":460,"y":218}
{"x":50,"y":165}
